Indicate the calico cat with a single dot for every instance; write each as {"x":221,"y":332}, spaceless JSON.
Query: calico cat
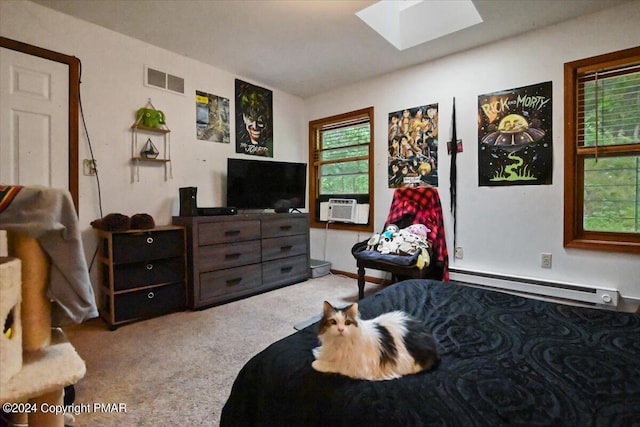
{"x":386,"y":347}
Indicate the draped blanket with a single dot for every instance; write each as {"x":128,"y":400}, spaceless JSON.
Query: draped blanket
{"x":48,"y":215}
{"x":506,"y":360}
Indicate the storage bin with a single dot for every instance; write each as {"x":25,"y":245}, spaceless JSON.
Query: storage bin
{"x":319,"y":268}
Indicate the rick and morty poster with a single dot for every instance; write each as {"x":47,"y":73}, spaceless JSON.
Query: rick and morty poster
{"x":514,"y":137}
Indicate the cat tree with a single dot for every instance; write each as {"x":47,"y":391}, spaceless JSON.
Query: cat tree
{"x":36,"y":361}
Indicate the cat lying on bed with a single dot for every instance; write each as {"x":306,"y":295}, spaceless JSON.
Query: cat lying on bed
{"x":386,"y":347}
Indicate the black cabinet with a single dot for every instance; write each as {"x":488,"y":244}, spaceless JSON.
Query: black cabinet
{"x":143,"y":273}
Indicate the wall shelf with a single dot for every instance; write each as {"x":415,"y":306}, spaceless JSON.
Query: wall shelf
{"x":148,"y":132}
{"x":145,"y":159}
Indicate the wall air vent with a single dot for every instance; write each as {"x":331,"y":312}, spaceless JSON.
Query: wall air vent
{"x":342,"y":210}
{"x":162,"y":80}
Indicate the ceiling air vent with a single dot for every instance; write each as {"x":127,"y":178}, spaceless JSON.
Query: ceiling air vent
{"x":162,"y":80}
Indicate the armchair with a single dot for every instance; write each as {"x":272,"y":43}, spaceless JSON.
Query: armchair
{"x":419,"y":205}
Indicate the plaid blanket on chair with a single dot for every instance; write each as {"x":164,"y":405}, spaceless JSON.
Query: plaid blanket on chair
{"x":421,"y":205}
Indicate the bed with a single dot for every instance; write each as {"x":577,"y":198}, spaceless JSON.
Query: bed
{"x":505,"y":360}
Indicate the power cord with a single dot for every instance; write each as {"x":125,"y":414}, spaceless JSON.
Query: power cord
{"x":326,"y":230}
{"x":93,"y":160}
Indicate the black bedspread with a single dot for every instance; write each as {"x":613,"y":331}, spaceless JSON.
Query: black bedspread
{"x":506,"y":360}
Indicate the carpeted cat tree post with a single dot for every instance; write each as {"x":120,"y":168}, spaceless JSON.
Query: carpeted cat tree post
{"x":36,"y":361}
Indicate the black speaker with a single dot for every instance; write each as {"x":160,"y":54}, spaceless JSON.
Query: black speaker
{"x":188,"y":204}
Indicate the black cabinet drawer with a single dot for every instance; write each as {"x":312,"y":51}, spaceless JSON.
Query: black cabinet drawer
{"x":149,"y":302}
{"x":229,"y":282}
{"x":227,"y":232}
{"x":147,"y":245}
{"x":284,"y":226}
{"x":281,"y":247}
{"x":284,"y":271}
{"x":154,"y":272}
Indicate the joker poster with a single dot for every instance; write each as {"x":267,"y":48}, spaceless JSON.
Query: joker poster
{"x":514,"y":136}
{"x":254,"y":120}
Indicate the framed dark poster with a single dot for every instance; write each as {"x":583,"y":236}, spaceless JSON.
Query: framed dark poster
{"x":515,"y":144}
{"x":254,"y":120}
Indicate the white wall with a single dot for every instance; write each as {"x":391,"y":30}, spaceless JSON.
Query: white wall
{"x":112,"y":90}
{"x":501,"y":229}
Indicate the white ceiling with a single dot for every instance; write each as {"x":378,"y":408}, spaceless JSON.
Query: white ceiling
{"x":304,"y":47}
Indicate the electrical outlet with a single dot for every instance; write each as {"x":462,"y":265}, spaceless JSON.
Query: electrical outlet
{"x":89,"y":167}
{"x":545,"y":260}
{"x":459,"y":252}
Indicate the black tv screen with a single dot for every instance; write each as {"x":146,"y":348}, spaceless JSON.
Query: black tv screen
{"x":262,"y":184}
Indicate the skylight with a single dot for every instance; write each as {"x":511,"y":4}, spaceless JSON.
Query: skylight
{"x":409,"y":23}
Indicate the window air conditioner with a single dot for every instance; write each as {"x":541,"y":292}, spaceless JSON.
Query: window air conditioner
{"x":342,"y":210}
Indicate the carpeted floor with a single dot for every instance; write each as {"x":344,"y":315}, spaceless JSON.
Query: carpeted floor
{"x":178,"y":369}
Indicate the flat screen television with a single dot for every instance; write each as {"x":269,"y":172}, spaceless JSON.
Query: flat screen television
{"x":263,"y":184}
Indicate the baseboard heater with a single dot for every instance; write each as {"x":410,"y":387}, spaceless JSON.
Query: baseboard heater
{"x":560,"y":292}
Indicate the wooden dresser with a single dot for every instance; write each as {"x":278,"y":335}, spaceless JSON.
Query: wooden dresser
{"x":235,"y":256}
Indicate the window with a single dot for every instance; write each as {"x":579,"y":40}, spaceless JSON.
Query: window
{"x":341,"y":163}
{"x":602,"y":152}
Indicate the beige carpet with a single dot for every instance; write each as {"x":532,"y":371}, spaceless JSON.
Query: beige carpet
{"x":178,"y":369}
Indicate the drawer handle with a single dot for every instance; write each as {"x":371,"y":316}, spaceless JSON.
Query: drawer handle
{"x":149,"y":266}
{"x":285,"y":227}
{"x":149,"y":240}
{"x":286,"y":269}
{"x":286,"y":248}
{"x":234,"y":282}
{"x":232,"y":232}
{"x":232,"y":256}
{"x":151,"y":295}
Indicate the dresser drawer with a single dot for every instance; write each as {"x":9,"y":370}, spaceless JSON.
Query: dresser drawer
{"x":147,"y":245}
{"x":281,"y":247}
{"x":227,"y":232}
{"x":149,"y":302}
{"x":286,"y":270}
{"x":154,"y":272}
{"x":285,"y":226}
{"x":229,"y":282}
{"x":218,"y":257}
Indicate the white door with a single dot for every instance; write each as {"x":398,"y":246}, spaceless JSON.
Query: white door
{"x":34,"y":124}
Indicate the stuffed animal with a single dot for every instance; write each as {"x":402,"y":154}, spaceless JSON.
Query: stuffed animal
{"x":408,"y":241}
{"x":419,"y":229}
{"x":378,"y":238}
